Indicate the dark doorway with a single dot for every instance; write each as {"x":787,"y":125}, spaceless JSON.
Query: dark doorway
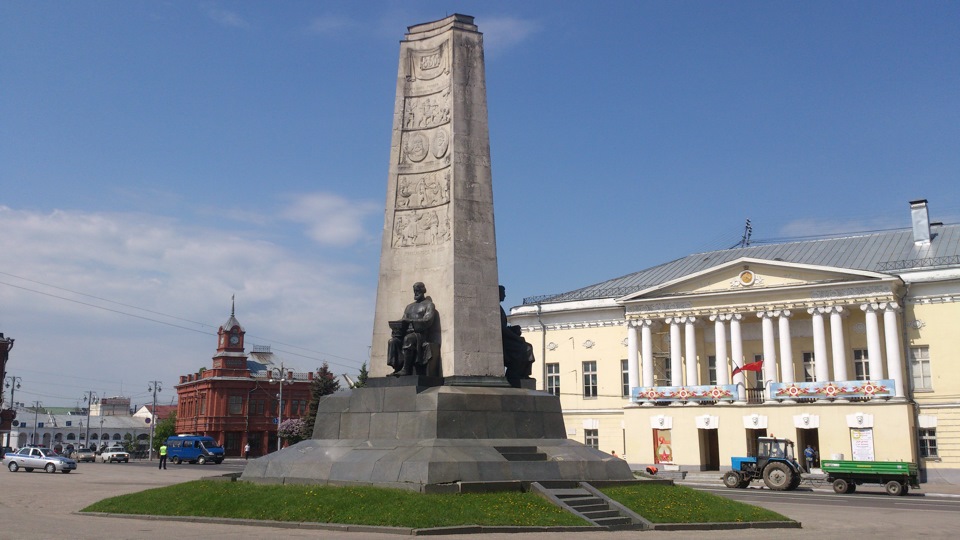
{"x":709,"y":450}
{"x":808,"y":437}
{"x":752,"y":436}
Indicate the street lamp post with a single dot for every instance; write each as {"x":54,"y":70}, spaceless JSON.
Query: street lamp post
{"x":6,"y":345}
{"x":154,"y":387}
{"x":281,"y":380}
{"x":13,"y":383}
{"x":90,"y":399}
{"x":36,"y":413}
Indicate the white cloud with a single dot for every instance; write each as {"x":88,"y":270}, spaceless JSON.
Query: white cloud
{"x":227,"y":18}
{"x":331,"y":220}
{"x":154,"y":292}
{"x":502,"y":33}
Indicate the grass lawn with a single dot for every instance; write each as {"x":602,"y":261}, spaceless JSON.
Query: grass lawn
{"x":679,"y":504}
{"x":348,"y":505}
{"x":399,"y":508}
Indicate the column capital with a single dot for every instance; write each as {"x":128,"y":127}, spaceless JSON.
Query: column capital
{"x":735,"y":317}
{"x":646,"y":322}
{"x":819,"y":310}
{"x":835,"y":309}
{"x":765,"y":314}
{"x":689,"y":320}
{"x":783,"y":313}
{"x":889,"y":306}
{"x":871,"y":307}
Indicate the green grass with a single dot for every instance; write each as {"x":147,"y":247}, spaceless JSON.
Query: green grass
{"x":347,"y":505}
{"x":679,"y":504}
{"x":399,"y":508}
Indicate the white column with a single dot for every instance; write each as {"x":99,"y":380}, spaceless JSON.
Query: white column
{"x":690,"y":351}
{"x":786,"y":347}
{"x":769,"y":348}
{"x":820,"y":368}
{"x":720,"y":340}
{"x":676,"y":366}
{"x":633,"y":358}
{"x":736,"y":354}
{"x":891,"y":332}
{"x":874,"y":355}
{"x":646,"y":341}
{"x":839,"y":346}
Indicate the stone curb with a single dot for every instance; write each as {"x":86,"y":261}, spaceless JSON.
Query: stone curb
{"x":439,"y":531}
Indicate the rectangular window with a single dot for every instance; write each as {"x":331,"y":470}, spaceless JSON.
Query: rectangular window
{"x":809,"y":371}
{"x":624,"y":378}
{"x":256,"y":407}
{"x":591,"y":437}
{"x":294,"y":404}
{"x":711,"y":369}
{"x":861,"y":364}
{"x":928,"y":442}
{"x":553,"y":379}
{"x":235,"y":405}
{"x":590,"y":379}
{"x":920,"y":361}
{"x":203,"y":404}
{"x":661,"y":371}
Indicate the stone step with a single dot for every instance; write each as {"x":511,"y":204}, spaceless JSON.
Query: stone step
{"x":516,"y":449}
{"x":601,"y":514}
{"x":590,"y":507}
{"x":614,"y":521}
{"x":571,"y":492}
{"x":532,"y":456}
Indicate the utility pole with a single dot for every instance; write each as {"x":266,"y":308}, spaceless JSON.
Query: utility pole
{"x":36,"y":413}
{"x":90,"y":399}
{"x":12,"y":383}
{"x":153,"y":387}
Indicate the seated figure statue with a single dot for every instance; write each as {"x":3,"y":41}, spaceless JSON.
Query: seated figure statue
{"x":413,"y":346}
{"x":517,"y":353}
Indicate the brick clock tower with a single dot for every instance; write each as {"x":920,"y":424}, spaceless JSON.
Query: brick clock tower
{"x":236,"y":401}
{"x":230,"y":344}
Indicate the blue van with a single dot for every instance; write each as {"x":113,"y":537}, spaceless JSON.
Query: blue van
{"x":194,"y":449}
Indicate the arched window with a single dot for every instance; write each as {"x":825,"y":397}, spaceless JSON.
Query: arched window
{"x":58,"y":437}
{"x":71,"y":437}
{"x":117,"y":437}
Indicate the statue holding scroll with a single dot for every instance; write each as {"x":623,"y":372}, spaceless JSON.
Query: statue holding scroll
{"x":414,"y":345}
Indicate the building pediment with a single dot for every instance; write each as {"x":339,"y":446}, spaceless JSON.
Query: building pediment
{"x":747,"y":274}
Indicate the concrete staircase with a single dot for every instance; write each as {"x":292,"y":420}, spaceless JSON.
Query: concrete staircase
{"x":592,"y":505}
{"x":521,"y":453}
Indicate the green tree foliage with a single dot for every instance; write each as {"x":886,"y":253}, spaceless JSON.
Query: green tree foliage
{"x":324,"y":383}
{"x":165,"y":428}
{"x":362,"y":377}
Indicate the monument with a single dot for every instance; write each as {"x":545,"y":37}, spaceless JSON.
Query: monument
{"x":438,"y":411}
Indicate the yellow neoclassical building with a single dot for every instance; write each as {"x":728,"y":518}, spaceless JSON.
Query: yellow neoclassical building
{"x":849,"y":344}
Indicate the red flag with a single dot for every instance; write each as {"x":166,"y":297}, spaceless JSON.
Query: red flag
{"x":752,"y":366}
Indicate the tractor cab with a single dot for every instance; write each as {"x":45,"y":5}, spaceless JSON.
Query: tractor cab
{"x":771,"y":448}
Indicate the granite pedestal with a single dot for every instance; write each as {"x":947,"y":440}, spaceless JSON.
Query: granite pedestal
{"x":406,"y":433}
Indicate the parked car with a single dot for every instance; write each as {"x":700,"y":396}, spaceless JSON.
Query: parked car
{"x":84,"y":454}
{"x":31,"y":458}
{"x":114,"y":453}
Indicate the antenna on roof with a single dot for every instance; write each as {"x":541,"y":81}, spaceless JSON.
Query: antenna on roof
{"x":745,"y":239}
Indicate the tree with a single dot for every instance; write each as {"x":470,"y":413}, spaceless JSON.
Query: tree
{"x":362,"y":377}
{"x":324,"y":383}
{"x":165,"y":428}
{"x":292,"y":430}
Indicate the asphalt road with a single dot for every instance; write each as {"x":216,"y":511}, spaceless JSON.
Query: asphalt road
{"x":39,"y":505}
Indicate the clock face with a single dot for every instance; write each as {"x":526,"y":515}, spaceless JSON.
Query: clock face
{"x":234,"y":339}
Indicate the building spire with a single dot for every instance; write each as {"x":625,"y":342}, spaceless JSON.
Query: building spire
{"x":233,"y":304}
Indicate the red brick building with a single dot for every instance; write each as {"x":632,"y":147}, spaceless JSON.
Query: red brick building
{"x":236,"y":401}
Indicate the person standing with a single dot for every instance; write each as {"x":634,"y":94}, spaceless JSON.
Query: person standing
{"x":163,"y":456}
{"x":809,"y":454}
{"x":246,"y":451}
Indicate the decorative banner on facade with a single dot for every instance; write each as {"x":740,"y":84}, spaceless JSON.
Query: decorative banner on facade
{"x":664,"y":446}
{"x":651,"y":394}
{"x":833,"y":389}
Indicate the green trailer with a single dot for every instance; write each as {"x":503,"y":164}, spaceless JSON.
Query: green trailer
{"x":895,"y":476}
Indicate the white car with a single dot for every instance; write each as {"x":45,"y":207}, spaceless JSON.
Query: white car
{"x":114,"y":453}
{"x":31,"y":458}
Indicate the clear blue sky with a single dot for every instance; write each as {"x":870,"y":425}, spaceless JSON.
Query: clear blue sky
{"x":158,"y":157}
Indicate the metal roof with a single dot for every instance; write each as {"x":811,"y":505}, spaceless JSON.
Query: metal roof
{"x":890,"y":252}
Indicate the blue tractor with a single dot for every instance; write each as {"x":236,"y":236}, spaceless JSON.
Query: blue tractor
{"x":774,"y":463}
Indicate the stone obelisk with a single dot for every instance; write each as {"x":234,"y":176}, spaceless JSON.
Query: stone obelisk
{"x":466,"y":424}
{"x":438,"y":225}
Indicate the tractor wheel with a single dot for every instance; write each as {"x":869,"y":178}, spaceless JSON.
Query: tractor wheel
{"x":795,"y":482}
{"x":777,"y":476}
{"x":731,"y":479}
{"x":893,"y":487}
{"x":744,"y":481}
{"x":841,"y":486}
